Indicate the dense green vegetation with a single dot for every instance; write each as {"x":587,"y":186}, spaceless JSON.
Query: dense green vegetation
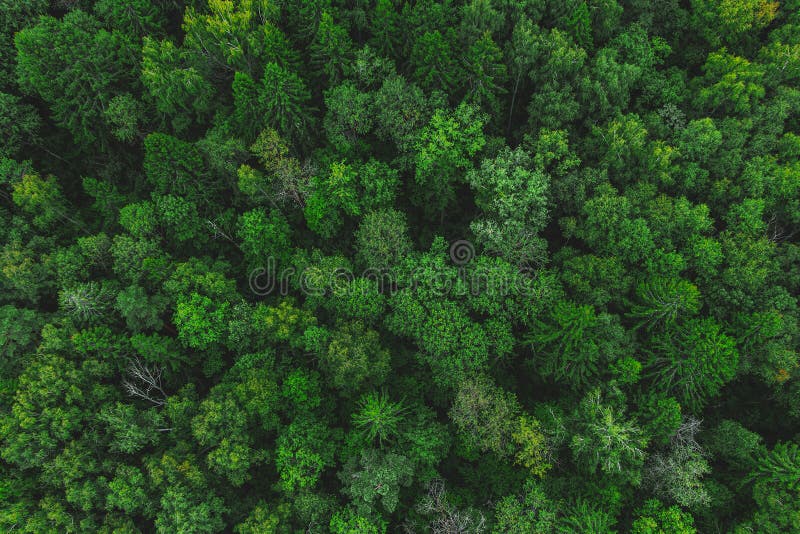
{"x":376,"y":266}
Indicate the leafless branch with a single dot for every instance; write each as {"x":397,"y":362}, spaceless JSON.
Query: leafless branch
{"x":145,"y":383}
{"x":448,"y":519}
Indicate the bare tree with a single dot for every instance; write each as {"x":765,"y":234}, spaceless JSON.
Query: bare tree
{"x":777,"y":233}
{"x":686,"y":435}
{"x":677,"y":473}
{"x":145,"y":383}
{"x":447,"y":518}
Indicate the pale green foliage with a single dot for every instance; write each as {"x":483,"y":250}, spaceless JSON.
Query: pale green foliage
{"x":734,"y":83}
{"x":606,"y":441}
{"x":677,"y":474}
{"x":378,"y":417}
{"x":375,"y":479}
{"x":485,"y":416}
{"x":513,"y":196}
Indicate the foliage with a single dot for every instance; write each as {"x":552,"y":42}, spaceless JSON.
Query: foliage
{"x":379,"y":266}
{"x":443,"y":150}
{"x":655,"y":518}
{"x":605,"y":440}
{"x":695,"y":363}
{"x":378,"y":417}
{"x":75,"y":65}
{"x":376,"y":477}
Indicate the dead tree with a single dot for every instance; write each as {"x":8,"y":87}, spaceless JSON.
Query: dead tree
{"x":145,"y":383}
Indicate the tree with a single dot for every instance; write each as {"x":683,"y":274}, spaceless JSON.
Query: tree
{"x":264,"y":235}
{"x":443,"y":150}
{"x":360,"y":298}
{"x":521,"y":53}
{"x":382,"y":239}
{"x":731,"y":442}
{"x":486,"y":73}
{"x":21,"y":123}
{"x":353,"y":358}
{"x":593,"y":279}
{"x":179,"y":219}
{"x":514,"y":199}
{"x":42,"y":198}
{"x":378,"y":417}
{"x":187,"y":502}
{"x":605,"y":441}
{"x":656,"y":518}
{"x":574,"y":341}
{"x":585,"y":517}
{"x":376,"y":477}
{"x":610,"y":229}
{"x":14,"y":17}
{"x":129,"y":429}
{"x":558,"y":61}
{"x":236,"y":412}
{"x":729,"y":21}
{"x":349,"y":116}
{"x":531,"y":511}
{"x":139,"y":219}
{"x":579,"y":26}
{"x":694,"y":362}
{"x":260,"y":521}
{"x":138,"y":17}
{"x":781,"y":59}
{"x":451,"y":343}
{"x":444,"y":515}
{"x":348,"y":521}
{"x":331,"y":49}
{"x":780,"y":465}
{"x":433,"y":62}
{"x":660,"y":416}
{"x":22,"y":273}
{"x":140,"y":310}
{"x":485,"y":416}
{"x":123,"y":115}
{"x":87,"y":301}
{"x":533,"y":451}
{"x":664,"y":300}
{"x":401,"y":111}
{"x":284,"y":322}
{"x":54,"y":401}
{"x":173,"y":166}
{"x":229,"y":34}
{"x":732,"y":83}
{"x":699,"y":140}
{"x":200,"y":321}
{"x":283,"y":100}
{"x":74,"y":65}
{"x":128,"y":490}
{"x":20,"y":329}
{"x":677,"y":474}
{"x":304,"y":451}
{"x":287,"y":180}
{"x":332,"y":195}
{"x":379,"y":185}
{"x":775,"y":490}
{"x":383,"y":25}
{"x":423,"y":439}
{"x":177,"y":88}
{"x":138,"y":260}
{"x":144,"y":382}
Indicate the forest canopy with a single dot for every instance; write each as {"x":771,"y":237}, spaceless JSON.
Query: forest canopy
{"x":378,"y":266}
